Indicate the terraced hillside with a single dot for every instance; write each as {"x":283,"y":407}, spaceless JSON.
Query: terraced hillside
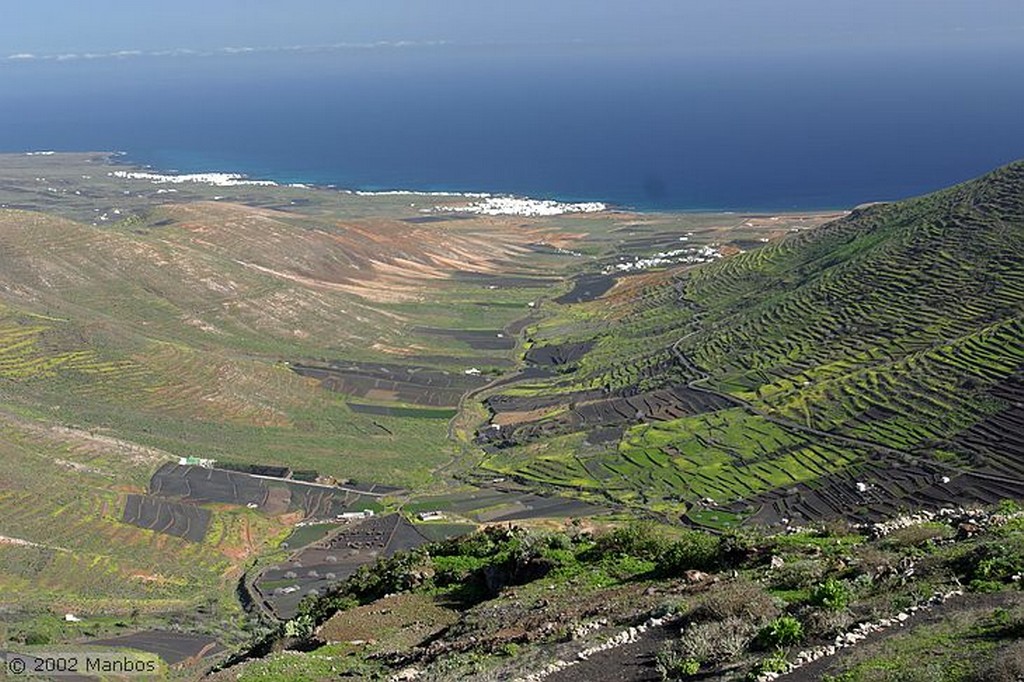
{"x":868,"y":365}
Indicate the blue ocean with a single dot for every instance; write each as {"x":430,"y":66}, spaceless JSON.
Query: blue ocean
{"x":643,"y":128}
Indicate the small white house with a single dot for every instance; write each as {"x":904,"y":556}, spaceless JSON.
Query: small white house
{"x":365,"y":514}
{"x":197,"y":462}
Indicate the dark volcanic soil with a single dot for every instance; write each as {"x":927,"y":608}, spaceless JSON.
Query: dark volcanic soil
{"x":628,"y":663}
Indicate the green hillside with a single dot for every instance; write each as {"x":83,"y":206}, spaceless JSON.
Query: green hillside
{"x":869,"y":365}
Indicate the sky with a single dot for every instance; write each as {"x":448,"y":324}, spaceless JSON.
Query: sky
{"x":48,"y":28}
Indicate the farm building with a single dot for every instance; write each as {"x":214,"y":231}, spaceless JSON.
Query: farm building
{"x":197,"y":462}
{"x":365,"y":514}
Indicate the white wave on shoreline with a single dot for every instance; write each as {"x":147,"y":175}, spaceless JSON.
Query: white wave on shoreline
{"x":414,"y":193}
{"x":216,"y":179}
{"x":518,"y":206}
{"x":487,"y":204}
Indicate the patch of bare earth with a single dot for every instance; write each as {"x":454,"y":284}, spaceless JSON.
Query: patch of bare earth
{"x":394,"y":623}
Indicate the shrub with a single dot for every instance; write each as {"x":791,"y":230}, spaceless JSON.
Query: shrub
{"x":716,"y":641}
{"x":451,"y":570}
{"x":831,"y":594}
{"x":482,"y":544}
{"x":738,"y":599}
{"x":996,"y":562}
{"x":1008,"y":507}
{"x":673,"y":665}
{"x":918,"y":535}
{"x":399,"y":573}
{"x":875,"y":563}
{"x":322,"y":608}
{"x":847,"y":676}
{"x":736,"y":550}
{"x":299,"y":627}
{"x":510,"y":649}
{"x":694,"y":550}
{"x":826,"y":622}
{"x":784,"y":631}
{"x":797,"y":575}
{"x":775,"y":663}
{"x":640,"y":539}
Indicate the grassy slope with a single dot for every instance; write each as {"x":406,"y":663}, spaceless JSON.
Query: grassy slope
{"x":124,"y":344}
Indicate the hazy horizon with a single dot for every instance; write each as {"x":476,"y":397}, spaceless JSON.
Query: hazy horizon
{"x":61,"y":27}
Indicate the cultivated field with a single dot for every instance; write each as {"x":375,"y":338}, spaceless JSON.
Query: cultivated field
{"x":330,"y":560}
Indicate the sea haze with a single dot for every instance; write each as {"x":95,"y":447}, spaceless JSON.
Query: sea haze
{"x":647,"y":128}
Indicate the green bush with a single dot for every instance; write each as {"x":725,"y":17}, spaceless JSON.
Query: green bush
{"x":301,"y":627}
{"x":451,"y":570}
{"x":991,"y":563}
{"x":399,"y":573}
{"x":782,"y":632}
{"x":799,"y":574}
{"x":775,"y":663}
{"x":831,"y":594}
{"x":485,"y":543}
{"x":320,"y":608}
{"x":695,"y":550}
{"x":639,"y":539}
{"x":672,"y":665}
{"x":1008,"y":507}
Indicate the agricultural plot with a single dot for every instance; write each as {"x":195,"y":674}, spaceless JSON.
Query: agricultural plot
{"x":582,"y":414}
{"x":174,"y":648}
{"x":272,"y":496}
{"x":410,"y":412}
{"x":879,"y":489}
{"x":163,"y":516}
{"x":393,"y":383}
{"x":312,"y":570}
{"x":558,"y":355}
{"x":587,"y":288}
{"x":997,"y":442}
{"x":493,"y":505}
{"x":477,"y":339}
{"x":202,"y":486}
{"x":506,"y":281}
